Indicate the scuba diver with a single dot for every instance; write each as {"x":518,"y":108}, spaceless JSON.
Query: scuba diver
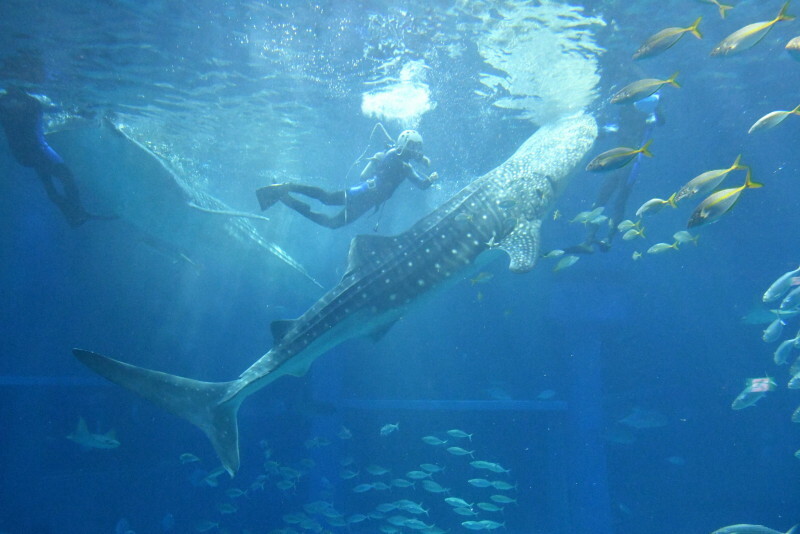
{"x":619,"y":184}
{"x":380,"y":178}
{"x":21,"y":117}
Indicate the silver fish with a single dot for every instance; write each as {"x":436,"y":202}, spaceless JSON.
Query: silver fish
{"x":665,"y":39}
{"x":772,"y":119}
{"x":780,"y":286}
{"x":792,"y":300}
{"x":719,"y":203}
{"x":706,"y":182}
{"x":749,"y":36}
{"x":456,"y":433}
{"x":756,"y":388}
{"x":750,"y":529}
{"x":566,"y":261}
{"x":455,"y":502}
{"x":784,"y":351}
{"x":773,"y":331}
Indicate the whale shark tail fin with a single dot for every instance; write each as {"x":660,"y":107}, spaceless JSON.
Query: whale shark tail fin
{"x":207,"y":405}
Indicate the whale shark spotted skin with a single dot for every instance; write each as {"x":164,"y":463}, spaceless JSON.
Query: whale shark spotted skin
{"x":501,"y":210}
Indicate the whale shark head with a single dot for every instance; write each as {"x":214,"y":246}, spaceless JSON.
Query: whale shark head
{"x":526,"y":185}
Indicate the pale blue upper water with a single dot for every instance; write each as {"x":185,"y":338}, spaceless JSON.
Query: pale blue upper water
{"x":235,"y":95}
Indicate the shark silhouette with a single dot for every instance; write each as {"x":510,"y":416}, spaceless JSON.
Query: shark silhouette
{"x":84,"y":438}
{"x":501,"y":210}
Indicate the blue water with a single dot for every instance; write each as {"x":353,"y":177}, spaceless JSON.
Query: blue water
{"x":236,"y":94}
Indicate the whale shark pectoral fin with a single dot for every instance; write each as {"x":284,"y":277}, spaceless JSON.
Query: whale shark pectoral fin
{"x":377,"y":334}
{"x":522,"y":245}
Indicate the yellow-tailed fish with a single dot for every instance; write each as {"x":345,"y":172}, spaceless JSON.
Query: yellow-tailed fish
{"x":205,"y":526}
{"x":555,"y":253}
{"x":617,"y":158}
{"x":793,"y":48}
{"x":566,"y":261}
{"x":772,"y":119}
{"x":480,"y":278}
{"x":636,"y":255}
{"x":628,"y":224}
{"x":707,"y":181}
{"x":658,"y":248}
{"x":556,"y":215}
{"x":641,"y":89}
{"x":633,"y":233}
{"x":749,"y":36}
{"x":683,"y":236}
{"x":661,"y":41}
{"x":719,"y":203}
{"x":654,"y":205}
{"x":586,"y":216}
{"x":722,"y":7}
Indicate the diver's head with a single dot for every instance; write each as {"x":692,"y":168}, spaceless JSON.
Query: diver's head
{"x":409,"y":144}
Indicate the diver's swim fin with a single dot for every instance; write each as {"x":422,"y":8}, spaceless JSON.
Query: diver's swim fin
{"x":269,"y":195}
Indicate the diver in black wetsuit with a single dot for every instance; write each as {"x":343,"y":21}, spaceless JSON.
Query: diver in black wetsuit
{"x":381,"y":177}
{"x":21,"y":117}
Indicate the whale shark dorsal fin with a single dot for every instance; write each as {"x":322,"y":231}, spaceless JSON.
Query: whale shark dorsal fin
{"x":522,"y":245}
{"x":81,"y":429}
{"x":280,"y":328}
{"x":369,"y":248}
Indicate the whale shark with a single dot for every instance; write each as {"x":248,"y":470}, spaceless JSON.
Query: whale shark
{"x":501,"y":211}
{"x":120,"y":176}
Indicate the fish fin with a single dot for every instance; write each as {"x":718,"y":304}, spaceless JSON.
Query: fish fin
{"x":693,"y":28}
{"x":644,"y":150}
{"x":80,"y":429}
{"x":522,"y":245}
{"x":671,"y":200}
{"x":672,"y":80}
{"x":207,"y":405}
{"x":280,"y":328}
{"x":364,"y":248}
{"x":723,"y":8}
{"x":377,"y":334}
{"x":750,"y":184}
{"x":796,"y":111}
{"x":737,"y":164}
{"x":782,"y":14}
{"x":301,"y":369}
